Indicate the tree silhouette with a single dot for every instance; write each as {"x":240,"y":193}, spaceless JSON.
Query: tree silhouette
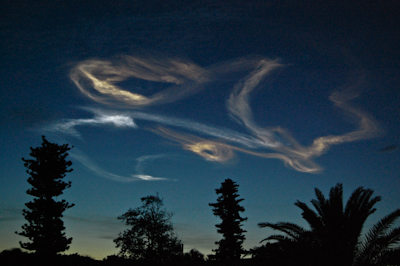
{"x":45,"y":227}
{"x":151,"y":235}
{"x":335,"y":231}
{"x":194,"y":255}
{"x":228,"y":209}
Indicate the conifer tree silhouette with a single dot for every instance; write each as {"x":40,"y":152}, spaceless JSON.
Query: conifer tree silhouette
{"x":45,"y":227}
{"x":227,"y":208}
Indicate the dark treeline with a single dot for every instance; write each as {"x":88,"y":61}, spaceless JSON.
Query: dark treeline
{"x":334,"y":236}
{"x":17,"y":257}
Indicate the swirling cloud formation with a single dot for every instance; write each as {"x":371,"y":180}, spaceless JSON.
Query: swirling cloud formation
{"x":98,"y":80}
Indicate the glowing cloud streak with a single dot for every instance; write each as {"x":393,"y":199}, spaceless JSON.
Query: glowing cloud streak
{"x":97,"y":79}
{"x":210,"y":150}
{"x":68,"y":126}
{"x":141,"y":161}
{"x":103,"y":75}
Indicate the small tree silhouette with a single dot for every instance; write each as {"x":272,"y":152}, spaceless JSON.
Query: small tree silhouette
{"x":194,"y":255}
{"x":151,"y":236}
{"x":45,"y":227}
{"x":227,"y":208}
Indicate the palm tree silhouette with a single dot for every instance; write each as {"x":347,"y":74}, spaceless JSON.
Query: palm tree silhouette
{"x":334,"y":237}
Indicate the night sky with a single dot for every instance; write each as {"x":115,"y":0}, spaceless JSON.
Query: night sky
{"x":174,"y":97}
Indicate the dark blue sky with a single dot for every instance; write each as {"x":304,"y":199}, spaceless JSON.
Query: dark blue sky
{"x":176,"y":96}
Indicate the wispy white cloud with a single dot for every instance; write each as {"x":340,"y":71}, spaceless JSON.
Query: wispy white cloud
{"x":142,"y":161}
{"x":97,"y":170}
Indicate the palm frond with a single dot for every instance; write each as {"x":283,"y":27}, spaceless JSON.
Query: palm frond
{"x":279,"y":238}
{"x":320,"y":203}
{"x":310,"y":216}
{"x":335,"y":202}
{"x":320,"y":207}
{"x":352,"y":201}
{"x":392,"y":238}
{"x":359,"y":206}
{"x":366,"y":203}
{"x":380,"y":228}
{"x":377,"y":240}
{"x":291,"y":229}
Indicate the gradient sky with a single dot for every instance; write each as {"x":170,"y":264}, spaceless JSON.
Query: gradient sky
{"x":176,"y":96}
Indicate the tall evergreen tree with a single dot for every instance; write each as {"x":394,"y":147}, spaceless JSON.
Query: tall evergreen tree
{"x":45,"y":227}
{"x":228,"y":209}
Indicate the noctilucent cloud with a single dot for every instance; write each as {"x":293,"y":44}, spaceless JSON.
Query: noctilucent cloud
{"x":175,"y":97}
